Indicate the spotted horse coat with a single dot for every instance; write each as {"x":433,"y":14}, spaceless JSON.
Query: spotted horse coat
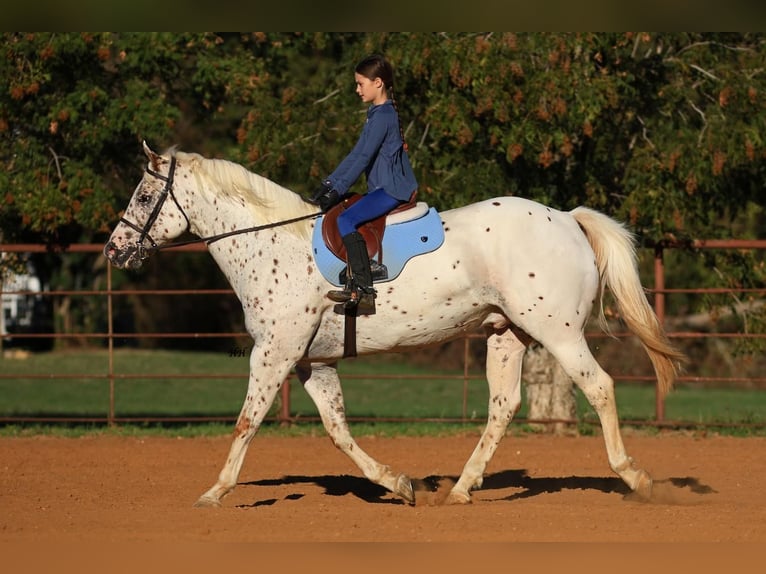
{"x":519,"y":270}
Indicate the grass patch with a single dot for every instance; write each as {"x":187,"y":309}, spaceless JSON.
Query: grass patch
{"x":198,"y":384}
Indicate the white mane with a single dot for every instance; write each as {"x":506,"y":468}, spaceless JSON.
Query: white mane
{"x":267,"y":201}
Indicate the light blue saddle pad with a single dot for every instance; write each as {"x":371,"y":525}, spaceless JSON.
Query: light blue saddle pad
{"x":401,"y":242}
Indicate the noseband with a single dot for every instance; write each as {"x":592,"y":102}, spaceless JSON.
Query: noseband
{"x":143,"y":252}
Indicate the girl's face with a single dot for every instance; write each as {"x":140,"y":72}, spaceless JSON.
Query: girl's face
{"x":371,"y":91}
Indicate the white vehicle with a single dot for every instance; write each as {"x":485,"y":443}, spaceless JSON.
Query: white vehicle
{"x":24,"y":310}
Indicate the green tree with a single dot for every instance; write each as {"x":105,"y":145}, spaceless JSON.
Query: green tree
{"x":73,"y":113}
{"x":663,"y":130}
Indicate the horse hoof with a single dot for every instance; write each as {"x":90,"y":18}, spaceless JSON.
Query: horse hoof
{"x":404,"y":488}
{"x":206,"y":502}
{"x":643,"y":488}
{"x":457,"y":497}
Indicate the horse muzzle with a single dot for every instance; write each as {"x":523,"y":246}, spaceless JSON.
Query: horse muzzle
{"x":127,"y":257}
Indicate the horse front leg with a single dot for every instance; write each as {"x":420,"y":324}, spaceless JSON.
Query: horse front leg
{"x":264,"y":383}
{"x":323,"y":386}
{"x":505,"y":353}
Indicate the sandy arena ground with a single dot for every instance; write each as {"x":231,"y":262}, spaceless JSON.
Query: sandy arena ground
{"x":537,"y":489}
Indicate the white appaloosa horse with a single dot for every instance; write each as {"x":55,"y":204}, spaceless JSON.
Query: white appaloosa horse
{"x":518,"y":269}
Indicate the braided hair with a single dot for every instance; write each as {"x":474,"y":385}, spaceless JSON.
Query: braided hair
{"x":376,"y":66}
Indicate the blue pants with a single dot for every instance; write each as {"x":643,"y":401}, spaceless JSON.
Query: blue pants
{"x":372,"y":205}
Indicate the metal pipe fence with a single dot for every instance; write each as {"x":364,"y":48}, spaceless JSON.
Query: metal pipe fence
{"x":285,"y":414}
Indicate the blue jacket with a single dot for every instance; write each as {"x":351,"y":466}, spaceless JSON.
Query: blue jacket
{"x":380,"y":154}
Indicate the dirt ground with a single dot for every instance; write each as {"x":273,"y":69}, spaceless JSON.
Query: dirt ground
{"x":537,"y":489}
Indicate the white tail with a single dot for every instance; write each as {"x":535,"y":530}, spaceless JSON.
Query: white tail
{"x":615,"y":250}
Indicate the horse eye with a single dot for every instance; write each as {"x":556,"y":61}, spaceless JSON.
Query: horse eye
{"x":144,"y":199}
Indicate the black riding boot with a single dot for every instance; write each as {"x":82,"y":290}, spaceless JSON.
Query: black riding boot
{"x":358,"y":291}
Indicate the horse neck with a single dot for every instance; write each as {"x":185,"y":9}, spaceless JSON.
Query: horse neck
{"x":212,"y":213}
{"x":220,"y":205}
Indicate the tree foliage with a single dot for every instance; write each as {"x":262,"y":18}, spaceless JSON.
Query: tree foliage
{"x":665,"y":131}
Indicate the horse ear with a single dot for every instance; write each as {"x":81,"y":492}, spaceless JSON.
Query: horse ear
{"x":149,"y":153}
{"x":154,"y":158}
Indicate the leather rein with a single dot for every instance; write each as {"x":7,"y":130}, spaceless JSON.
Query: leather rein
{"x":167,"y":190}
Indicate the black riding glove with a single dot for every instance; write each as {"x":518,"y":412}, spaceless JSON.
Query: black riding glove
{"x":325,"y":197}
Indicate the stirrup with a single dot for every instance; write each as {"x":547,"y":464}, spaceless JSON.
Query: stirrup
{"x":361,"y":302}
{"x":359,"y":299}
{"x":365,"y":304}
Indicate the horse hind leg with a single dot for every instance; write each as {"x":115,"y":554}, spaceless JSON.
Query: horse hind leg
{"x":323,"y":386}
{"x":598,"y":388}
{"x":505,"y":352}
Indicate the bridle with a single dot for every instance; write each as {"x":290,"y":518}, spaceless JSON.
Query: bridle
{"x":167,"y":190}
{"x":143,"y":252}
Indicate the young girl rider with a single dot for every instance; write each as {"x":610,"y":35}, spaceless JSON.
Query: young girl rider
{"x":382,"y":155}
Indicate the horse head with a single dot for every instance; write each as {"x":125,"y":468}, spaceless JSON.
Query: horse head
{"x":149,"y":220}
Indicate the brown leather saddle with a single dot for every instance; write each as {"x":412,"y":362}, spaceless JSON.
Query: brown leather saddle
{"x":372,"y":231}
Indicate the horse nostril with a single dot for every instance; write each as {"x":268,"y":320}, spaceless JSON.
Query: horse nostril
{"x":109,"y":250}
